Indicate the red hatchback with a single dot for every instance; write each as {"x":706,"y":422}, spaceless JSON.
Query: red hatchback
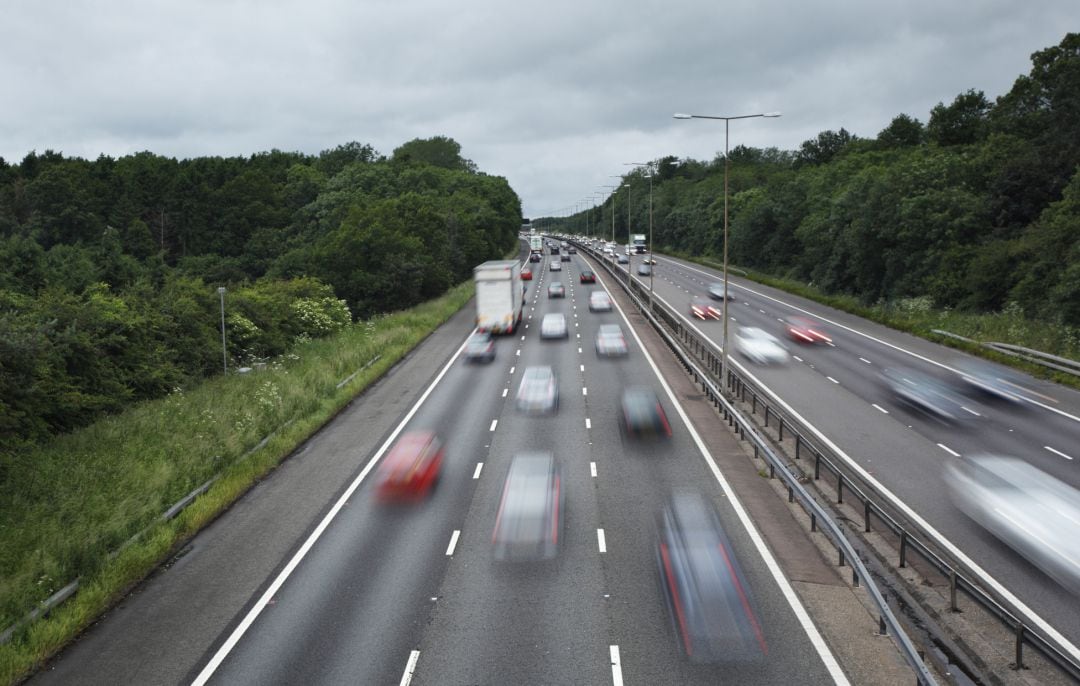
{"x":411,"y":468}
{"x":526,"y":274}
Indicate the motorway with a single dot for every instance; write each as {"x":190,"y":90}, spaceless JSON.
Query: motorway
{"x":366,"y":593}
{"x":837,"y":388}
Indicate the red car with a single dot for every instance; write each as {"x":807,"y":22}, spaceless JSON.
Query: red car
{"x":587,"y":276}
{"x":803,"y":330}
{"x":526,"y":274}
{"x":411,"y":468}
{"x":703,"y":309}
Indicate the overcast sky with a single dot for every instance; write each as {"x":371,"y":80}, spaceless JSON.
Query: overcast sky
{"x":553,"y":95}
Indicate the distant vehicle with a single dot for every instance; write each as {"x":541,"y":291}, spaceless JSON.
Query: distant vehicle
{"x":803,"y":330}
{"x":528,"y":525}
{"x":649,"y":259}
{"x":411,"y":468}
{"x":926,"y":394}
{"x":643,"y":415}
{"x":555,"y":266}
{"x":623,"y":259}
{"x":759,"y":346}
{"x":718,"y":292}
{"x":644,"y":270}
{"x":535,"y":257}
{"x":554,"y":249}
{"x":639,"y":243}
{"x":539,"y":391}
{"x":587,"y":276}
{"x":500,"y":296}
{"x":709,"y":599}
{"x":703,"y":309}
{"x":556,"y":290}
{"x":565,"y":257}
{"x":536,"y":245}
{"x":526,"y":274}
{"x":553,"y":325}
{"x":572,"y":250}
{"x":1032,"y":512}
{"x":610,"y":341}
{"x":599,"y":301}
{"x":985,"y":379}
{"x":480,"y":347}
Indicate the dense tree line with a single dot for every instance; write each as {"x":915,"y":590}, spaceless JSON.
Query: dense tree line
{"x":108,"y":291}
{"x":978,"y":208}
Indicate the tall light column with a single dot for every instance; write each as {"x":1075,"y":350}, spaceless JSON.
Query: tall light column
{"x":727,"y":123}
{"x":224,"y":355}
{"x":652,"y":258}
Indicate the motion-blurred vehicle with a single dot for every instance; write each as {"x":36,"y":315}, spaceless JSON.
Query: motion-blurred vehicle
{"x":554,"y":249}
{"x":1032,"y":512}
{"x":535,"y":257}
{"x":565,"y":257}
{"x":539,"y":390}
{"x":599,"y":301}
{"x":643,"y":415}
{"x":480,"y":347}
{"x":556,"y":290}
{"x":803,"y":330}
{"x":553,"y":325}
{"x":644,"y":270}
{"x":610,"y":341}
{"x":649,"y":259}
{"x":529,"y":522}
{"x":411,"y":468}
{"x":760,"y":346}
{"x":709,"y":600}
{"x":556,"y":266}
{"x":926,"y":394}
{"x":526,"y":274}
{"x":624,"y":259}
{"x":718,"y":292}
{"x":983,"y":378}
{"x":703,"y":309}
{"x":500,"y":295}
{"x":572,"y":250}
{"x":587,"y":276}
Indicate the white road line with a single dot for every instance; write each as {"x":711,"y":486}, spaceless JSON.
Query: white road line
{"x":453,"y":542}
{"x":512,"y":370}
{"x":410,"y":667}
{"x":600,"y":540}
{"x":579,"y":351}
{"x":866,"y":360}
{"x":476,"y":473}
{"x":584,"y":390}
{"x":518,"y":352}
{"x":582,"y":367}
{"x":1057,"y":452}
{"x":494,"y":423}
{"x":948,"y":450}
{"x":588,"y":423}
{"x":879,"y":407}
{"x":616,"y":666}
{"x":796,"y":357}
{"x":523,"y":337}
{"x":592,"y":469}
{"x":963,"y":407}
{"x":832,"y":379}
{"x":505,"y":391}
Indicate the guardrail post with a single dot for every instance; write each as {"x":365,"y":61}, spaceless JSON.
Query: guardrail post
{"x":813,"y":522}
{"x":1019,"y":646}
{"x":952,"y":590}
{"x":817,"y":466}
{"x":854,"y":577}
{"x":903,"y":548}
{"x":866,"y":515}
{"x":772,"y":471}
{"x":883,"y":628}
{"x":841,"y":551}
{"x":781,"y":428}
{"x":839,"y":488}
{"x":766,"y":411}
{"x":798,"y":445}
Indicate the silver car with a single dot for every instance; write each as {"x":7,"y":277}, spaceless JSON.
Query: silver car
{"x":555,"y":266}
{"x":553,"y":325}
{"x":539,"y":391}
{"x":610,"y":341}
{"x":760,"y":346}
{"x":599,"y":301}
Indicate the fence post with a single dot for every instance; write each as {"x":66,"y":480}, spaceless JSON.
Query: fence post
{"x":903,"y":548}
{"x":952,"y":590}
{"x":1019,"y":646}
{"x":866,"y":515}
{"x":839,"y":488}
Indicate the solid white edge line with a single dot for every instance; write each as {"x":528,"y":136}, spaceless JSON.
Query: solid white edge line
{"x":275,"y":585}
{"x":948,"y":450}
{"x":879,"y":407}
{"x":866,"y":360}
{"x":453,"y":542}
{"x":616,"y":666}
{"x":827,"y":658}
{"x":1057,"y":452}
{"x":601,"y":541}
{"x":899,"y":504}
{"x":832,"y":379}
{"x":476,"y":473}
{"x":410,"y":668}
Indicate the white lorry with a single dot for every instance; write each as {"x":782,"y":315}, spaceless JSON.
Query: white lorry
{"x":500,"y":296}
{"x":639,"y":244}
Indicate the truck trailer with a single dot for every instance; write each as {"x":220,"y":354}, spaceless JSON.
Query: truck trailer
{"x":500,"y":296}
{"x":639,"y":244}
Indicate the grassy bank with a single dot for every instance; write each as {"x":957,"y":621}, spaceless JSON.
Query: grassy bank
{"x":917,"y":317}
{"x":68,"y":507}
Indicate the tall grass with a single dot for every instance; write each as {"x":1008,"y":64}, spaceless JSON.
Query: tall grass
{"x":69,"y":506}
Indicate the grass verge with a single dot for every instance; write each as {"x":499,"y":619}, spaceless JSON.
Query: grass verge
{"x":70,"y":509}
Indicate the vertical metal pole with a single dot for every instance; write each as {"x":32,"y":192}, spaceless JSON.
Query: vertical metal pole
{"x":224,"y":355}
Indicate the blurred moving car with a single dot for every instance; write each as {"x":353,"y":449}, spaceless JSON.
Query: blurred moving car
{"x":610,"y":341}
{"x":1032,"y":512}
{"x":480,"y":347}
{"x":926,"y":393}
{"x":565,"y":257}
{"x":803,"y":330}
{"x":553,"y":325}
{"x":526,"y":274}
{"x":996,"y":381}
{"x":529,"y":522}
{"x":572,"y":250}
{"x":599,"y":301}
{"x":644,"y":270}
{"x":411,"y":468}
{"x":718,"y":292}
{"x":760,"y":346}
{"x":643,"y":415}
{"x":648,"y":259}
{"x":556,"y":290}
{"x":538,"y":391}
{"x":556,"y":266}
{"x":587,"y":276}
{"x":535,"y":257}
{"x":703,"y":309}
{"x":708,"y":597}
{"x":623,"y":259}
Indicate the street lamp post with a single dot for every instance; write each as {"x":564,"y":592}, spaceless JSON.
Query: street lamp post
{"x":649,"y":166}
{"x":727,"y":124}
{"x":629,"y":255}
{"x":224,"y":356}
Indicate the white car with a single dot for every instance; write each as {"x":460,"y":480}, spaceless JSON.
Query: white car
{"x":759,"y":346}
{"x":610,"y":341}
{"x":599,"y":301}
{"x":539,"y":391}
{"x":556,"y":265}
{"x":553,"y":325}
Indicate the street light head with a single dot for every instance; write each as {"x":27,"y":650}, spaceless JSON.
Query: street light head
{"x":771,"y":114}
{"x":680,"y":115}
{"x":221,"y":290}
